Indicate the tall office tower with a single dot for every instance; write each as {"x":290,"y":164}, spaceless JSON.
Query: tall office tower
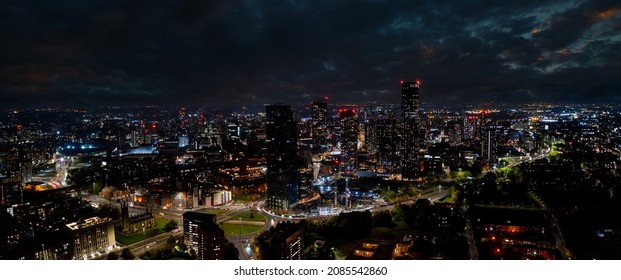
{"x":454,"y":130}
{"x":473,"y":127}
{"x":282,"y":168}
{"x":348,"y":119}
{"x":16,"y":162}
{"x":10,"y":162}
{"x":134,"y":139}
{"x":200,"y":121}
{"x":411,"y":130}
{"x":386,"y":138}
{"x":202,"y":234}
{"x":368,"y":125}
{"x":489,"y":143}
{"x":11,"y":191}
{"x":320,"y":122}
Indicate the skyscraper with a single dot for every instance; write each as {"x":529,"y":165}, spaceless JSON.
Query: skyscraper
{"x":411,"y":133}
{"x":348,"y":119}
{"x":282,"y":169}
{"x":202,"y":234}
{"x":489,"y":143}
{"x":319,"y":122}
{"x":16,"y":162}
{"x":386,"y":138}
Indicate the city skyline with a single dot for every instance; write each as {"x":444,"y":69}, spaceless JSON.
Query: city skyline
{"x":221,"y":54}
{"x":484,"y":184}
{"x":310,"y":130}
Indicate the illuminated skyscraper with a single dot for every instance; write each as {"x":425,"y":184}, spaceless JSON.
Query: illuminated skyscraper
{"x":489,"y":143}
{"x":282,"y":169}
{"x":348,"y":119}
{"x":202,"y":234}
{"x":386,"y":138}
{"x":411,"y":133}
{"x":320,"y":125}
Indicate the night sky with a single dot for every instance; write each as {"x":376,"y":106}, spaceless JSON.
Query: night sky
{"x":231,"y":53}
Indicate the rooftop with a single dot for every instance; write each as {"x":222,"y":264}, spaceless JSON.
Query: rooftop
{"x":87,"y":223}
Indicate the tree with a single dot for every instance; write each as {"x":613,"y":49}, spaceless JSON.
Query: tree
{"x":112,"y":256}
{"x":97,"y":187}
{"x":261,"y":244}
{"x":355,"y":224}
{"x":416,"y":215}
{"x":400,"y":212}
{"x":230,"y":252}
{"x":127,"y":254}
{"x":515,"y":175}
{"x":409,"y":191}
{"x":148,"y":255}
{"x":172,"y":224}
{"x":383,"y":219}
{"x":456,"y":197}
{"x":388,"y":195}
{"x":477,"y":167}
{"x":423,"y":247}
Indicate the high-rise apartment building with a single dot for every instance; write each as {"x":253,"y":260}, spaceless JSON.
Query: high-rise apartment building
{"x":386,"y":139}
{"x":348,"y":119}
{"x":202,"y":234}
{"x":411,"y":130}
{"x":320,"y":122}
{"x":282,"y":167}
{"x":16,"y":162}
{"x":489,"y":143}
{"x":288,"y":242}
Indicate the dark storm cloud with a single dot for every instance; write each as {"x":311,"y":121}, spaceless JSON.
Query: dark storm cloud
{"x":235,"y":52}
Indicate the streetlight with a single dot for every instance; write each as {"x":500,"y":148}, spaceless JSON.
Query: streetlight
{"x":240,"y":229}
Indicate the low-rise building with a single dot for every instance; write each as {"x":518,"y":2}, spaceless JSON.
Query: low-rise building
{"x":90,"y":237}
